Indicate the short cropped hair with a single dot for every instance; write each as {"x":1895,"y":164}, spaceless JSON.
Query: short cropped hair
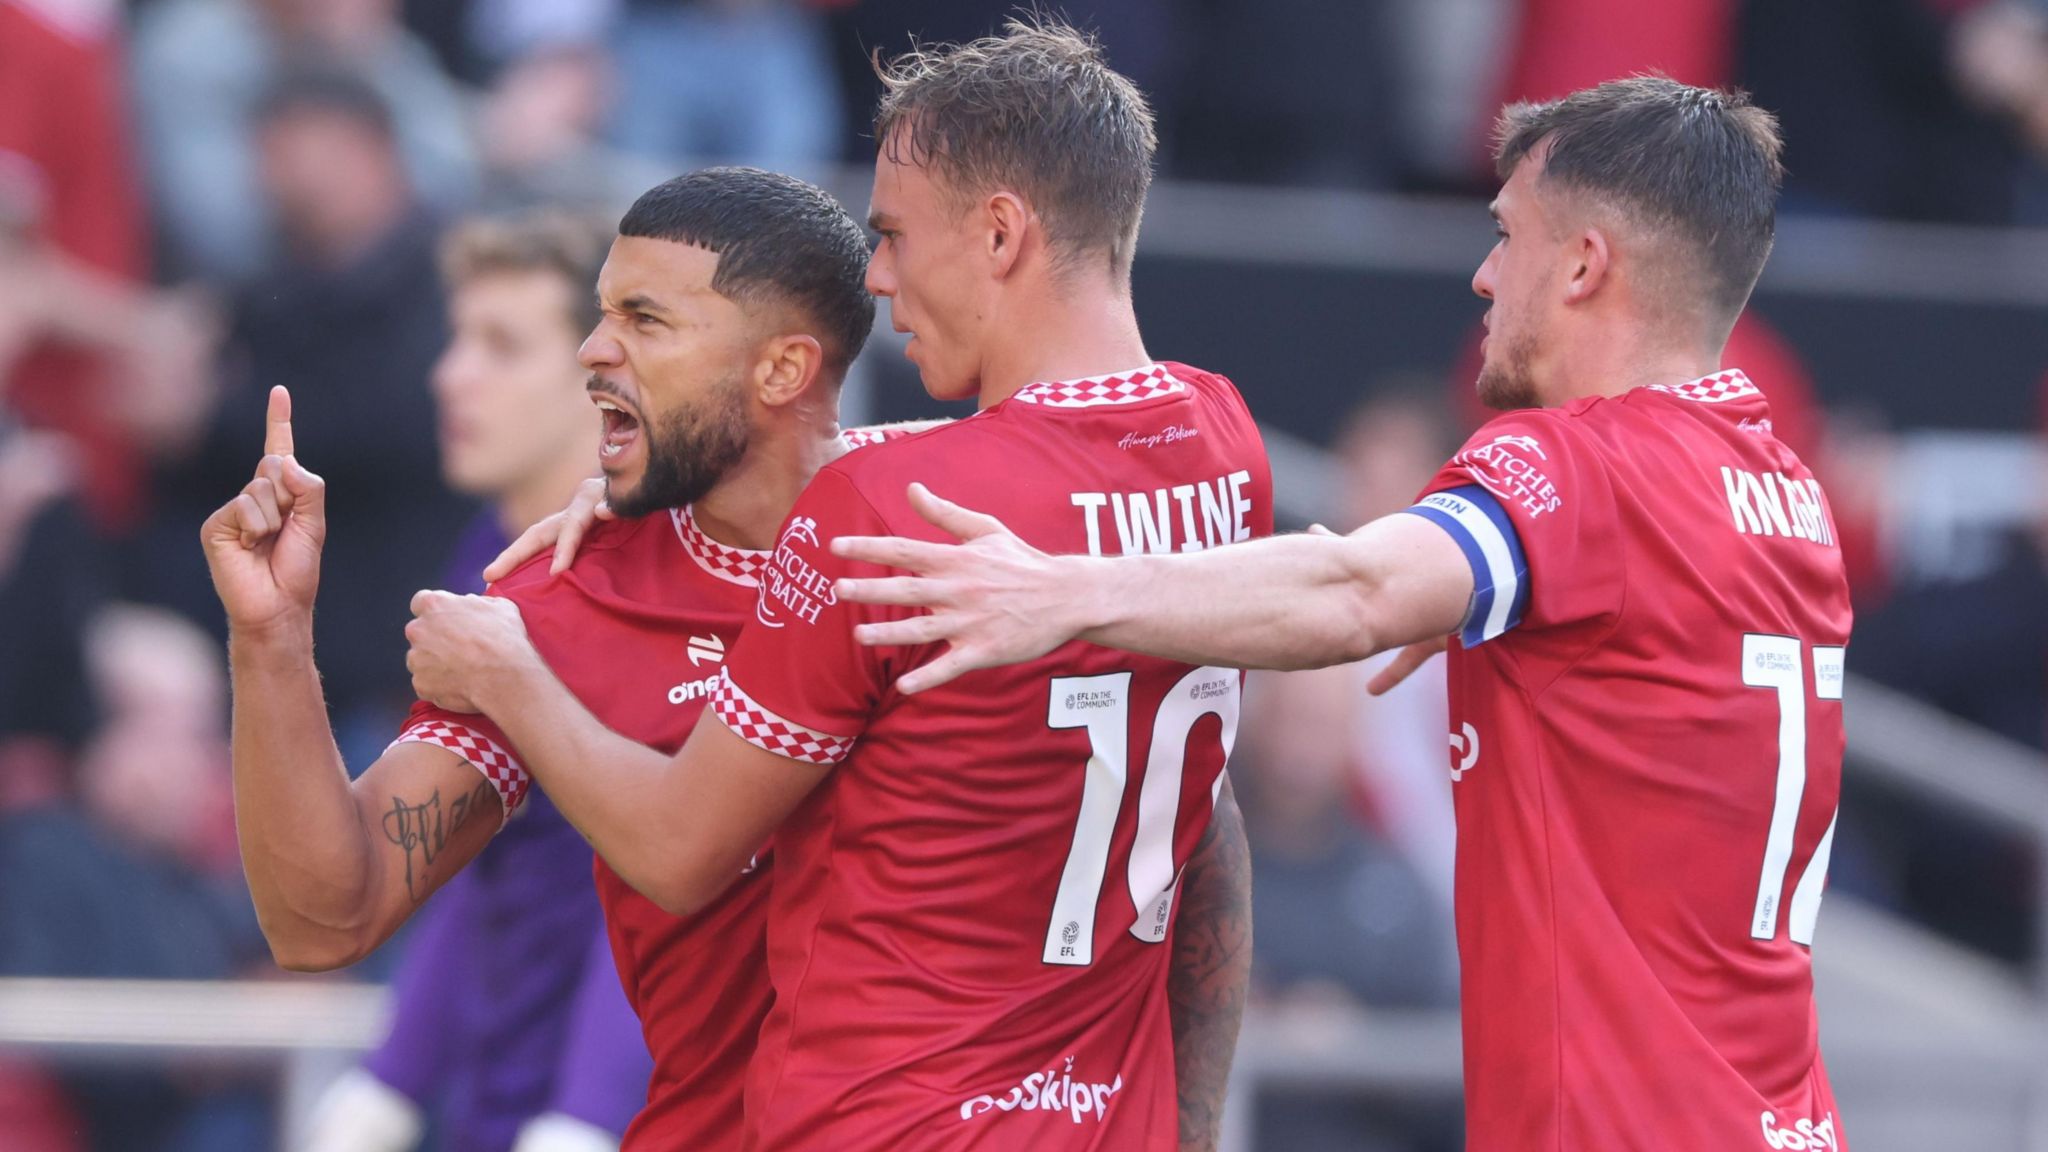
{"x":778,"y":240}
{"x":1036,"y":110}
{"x":550,"y":242}
{"x":1702,"y":164}
{"x":315,"y":84}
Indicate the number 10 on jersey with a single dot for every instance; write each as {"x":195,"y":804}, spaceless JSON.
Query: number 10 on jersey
{"x":1775,"y":662}
{"x":1102,"y":705}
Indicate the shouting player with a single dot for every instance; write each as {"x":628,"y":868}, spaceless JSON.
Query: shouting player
{"x":507,"y":1015}
{"x":1649,"y":614}
{"x":732,"y":302}
{"x":979,"y":892}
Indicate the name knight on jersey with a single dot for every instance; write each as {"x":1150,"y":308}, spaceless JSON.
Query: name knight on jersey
{"x":1182,"y":518}
{"x":1774,"y":504}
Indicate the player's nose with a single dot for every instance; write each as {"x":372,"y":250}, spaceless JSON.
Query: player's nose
{"x":1482,"y":280}
{"x":600,"y":349}
{"x":881,"y":277}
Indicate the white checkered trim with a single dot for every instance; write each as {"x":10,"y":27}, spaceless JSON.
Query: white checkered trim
{"x":484,"y":754}
{"x":1148,"y":383}
{"x":862,"y":437}
{"x":1729,"y":385}
{"x":764,"y":729}
{"x":742,"y":566}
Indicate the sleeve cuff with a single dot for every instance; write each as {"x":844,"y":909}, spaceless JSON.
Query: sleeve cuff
{"x":481,"y":752}
{"x":765,"y":730}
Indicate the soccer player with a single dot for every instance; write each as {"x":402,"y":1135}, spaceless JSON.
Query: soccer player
{"x":732,"y":302}
{"x":1648,"y":615}
{"x":508,"y":1020}
{"x":979,"y":893}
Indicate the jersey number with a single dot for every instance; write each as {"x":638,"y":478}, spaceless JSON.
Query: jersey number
{"x":1774,"y":662}
{"x":1102,"y":705}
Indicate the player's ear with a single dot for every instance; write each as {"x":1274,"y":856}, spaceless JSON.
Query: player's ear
{"x":1009,"y":222}
{"x":1591,"y":259}
{"x":788,"y":368}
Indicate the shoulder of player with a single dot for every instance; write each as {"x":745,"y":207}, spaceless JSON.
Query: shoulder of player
{"x":604,"y":539}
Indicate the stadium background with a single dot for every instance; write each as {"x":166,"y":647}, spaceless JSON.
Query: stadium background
{"x":1319,"y":215}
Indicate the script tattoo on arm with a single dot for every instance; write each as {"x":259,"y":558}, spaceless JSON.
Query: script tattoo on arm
{"x":1211,"y":971}
{"x":422,"y":830}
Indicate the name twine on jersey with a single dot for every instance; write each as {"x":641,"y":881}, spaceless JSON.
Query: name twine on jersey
{"x":1053,"y":1090}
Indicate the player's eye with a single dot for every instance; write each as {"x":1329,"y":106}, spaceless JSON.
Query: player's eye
{"x":1501,"y":232}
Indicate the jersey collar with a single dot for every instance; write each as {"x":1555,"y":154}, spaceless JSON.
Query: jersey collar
{"x":1715,"y":389}
{"x":740,"y":566}
{"x":1147,"y":383}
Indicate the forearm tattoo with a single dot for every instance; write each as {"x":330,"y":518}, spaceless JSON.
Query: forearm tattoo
{"x":1211,"y":971}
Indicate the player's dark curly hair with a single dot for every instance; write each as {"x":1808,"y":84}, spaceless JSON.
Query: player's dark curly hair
{"x":1037,"y":111}
{"x":1700,"y":163}
{"x":778,"y":240}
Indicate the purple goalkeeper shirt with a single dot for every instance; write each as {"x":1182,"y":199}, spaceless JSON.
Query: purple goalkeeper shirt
{"x":506,"y":1002}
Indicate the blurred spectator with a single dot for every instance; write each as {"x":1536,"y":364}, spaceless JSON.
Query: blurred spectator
{"x":140,"y":880}
{"x":201,"y":68}
{"x":349,"y":314}
{"x":734,"y":81}
{"x":52,"y":579}
{"x":1914,"y":109}
{"x":541,"y":130}
{"x":510,"y":1016}
{"x":82,"y":348}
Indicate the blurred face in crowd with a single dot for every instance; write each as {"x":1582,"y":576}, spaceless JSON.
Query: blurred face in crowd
{"x":925,"y":265}
{"x":1524,"y":279}
{"x":332,"y":179}
{"x":508,"y":385}
{"x":668,"y":367}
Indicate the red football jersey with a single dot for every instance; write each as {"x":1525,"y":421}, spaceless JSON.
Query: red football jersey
{"x":968,"y":933}
{"x":1646,"y":749}
{"x":638,"y":629}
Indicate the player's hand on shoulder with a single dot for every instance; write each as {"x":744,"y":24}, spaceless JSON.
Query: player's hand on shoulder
{"x":563,"y":532}
{"x":993,"y":599}
{"x":462,"y":648}
{"x":263,"y":546}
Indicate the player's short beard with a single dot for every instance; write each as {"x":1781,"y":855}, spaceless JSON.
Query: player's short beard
{"x":689,"y":451}
{"x":1509,"y":384}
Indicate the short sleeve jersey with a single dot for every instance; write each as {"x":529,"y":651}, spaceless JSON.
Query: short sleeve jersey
{"x":967,"y":933}
{"x":639,"y":630}
{"x":1646,"y":752}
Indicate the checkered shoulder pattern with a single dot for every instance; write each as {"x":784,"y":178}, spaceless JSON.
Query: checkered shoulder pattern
{"x":862,"y":437}
{"x":1146,"y":383}
{"x":1729,"y":385}
{"x":484,"y":754}
{"x":764,"y":729}
{"x":742,"y":566}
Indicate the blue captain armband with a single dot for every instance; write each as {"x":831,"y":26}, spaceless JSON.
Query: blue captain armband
{"x":1500,"y":570}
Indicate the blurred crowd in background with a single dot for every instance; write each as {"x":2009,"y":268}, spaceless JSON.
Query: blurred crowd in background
{"x":202,"y":198}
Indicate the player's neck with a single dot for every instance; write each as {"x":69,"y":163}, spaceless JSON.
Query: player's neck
{"x":747,"y":507}
{"x":1610,"y":367}
{"x":1090,"y":332}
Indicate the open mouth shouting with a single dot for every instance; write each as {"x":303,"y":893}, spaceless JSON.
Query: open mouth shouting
{"x":621,"y":428}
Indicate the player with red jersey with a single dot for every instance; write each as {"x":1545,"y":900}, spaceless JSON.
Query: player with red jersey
{"x":732,"y":303}
{"x":984,"y":900}
{"x":1649,"y":617}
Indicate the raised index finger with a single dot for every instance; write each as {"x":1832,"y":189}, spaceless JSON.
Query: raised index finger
{"x":277,"y":423}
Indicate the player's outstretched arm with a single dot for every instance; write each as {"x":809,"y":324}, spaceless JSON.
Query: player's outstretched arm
{"x":678,"y":829}
{"x":333,"y":868}
{"x":1211,"y":971}
{"x":1285,"y":602}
